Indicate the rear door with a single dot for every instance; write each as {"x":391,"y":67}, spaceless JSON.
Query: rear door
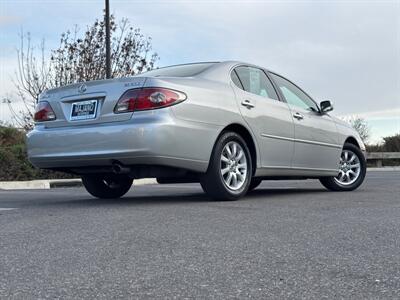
{"x":269,"y":118}
{"x":316,"y":138}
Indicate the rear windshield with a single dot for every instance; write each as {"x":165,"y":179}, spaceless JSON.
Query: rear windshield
{"x":188,"y":70}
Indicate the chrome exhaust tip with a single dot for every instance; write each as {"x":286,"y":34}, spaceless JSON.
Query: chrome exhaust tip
{"x":118,"y":168}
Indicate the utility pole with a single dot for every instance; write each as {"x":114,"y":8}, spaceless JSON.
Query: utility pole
{"x":108,"y":47}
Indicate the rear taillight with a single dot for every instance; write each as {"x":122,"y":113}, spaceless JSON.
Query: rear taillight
{"x":44,"y":112}
{"x":148,"y":98}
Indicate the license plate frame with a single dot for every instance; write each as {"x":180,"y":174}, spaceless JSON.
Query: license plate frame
{"x":84,"y":110}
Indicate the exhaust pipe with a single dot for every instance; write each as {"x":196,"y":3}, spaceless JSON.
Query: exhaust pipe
{"x":118,"y":168}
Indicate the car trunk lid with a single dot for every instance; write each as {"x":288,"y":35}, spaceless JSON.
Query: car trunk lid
{"x":90,"y":102}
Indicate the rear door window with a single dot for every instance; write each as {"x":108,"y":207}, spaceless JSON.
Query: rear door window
{"x":256,"y":82}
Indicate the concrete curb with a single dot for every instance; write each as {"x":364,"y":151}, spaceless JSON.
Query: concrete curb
{"x":56,"y":183}
{"x":390,"y":169}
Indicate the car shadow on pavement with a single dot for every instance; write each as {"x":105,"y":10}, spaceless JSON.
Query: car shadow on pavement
{"x":283,"y":191}
{"x":195,"y":197}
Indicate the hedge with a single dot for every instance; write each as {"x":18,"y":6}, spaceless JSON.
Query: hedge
{"x":14,"y":163}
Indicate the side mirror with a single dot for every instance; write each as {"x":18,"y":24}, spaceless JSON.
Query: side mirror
{"x":326,"y":106}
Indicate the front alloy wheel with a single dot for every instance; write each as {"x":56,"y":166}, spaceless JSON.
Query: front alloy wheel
{"x":349,"y":168}
{"x":352,"y":170}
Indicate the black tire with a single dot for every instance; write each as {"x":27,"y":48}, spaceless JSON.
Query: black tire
{"x":107,"y":186}
{"x":331,"y":184}
{"x":255,"y":182}
{"x":213,"y":183}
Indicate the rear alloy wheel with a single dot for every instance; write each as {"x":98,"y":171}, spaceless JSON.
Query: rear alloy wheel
{"x":107,"y":186}
{"x":229,"y":172}
{"x":352,"y":170}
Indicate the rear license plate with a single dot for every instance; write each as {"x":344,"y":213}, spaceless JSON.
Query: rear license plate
{"x":84,"y":110}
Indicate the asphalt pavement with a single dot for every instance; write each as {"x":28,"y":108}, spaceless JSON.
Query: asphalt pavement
{"x":285,"y":240}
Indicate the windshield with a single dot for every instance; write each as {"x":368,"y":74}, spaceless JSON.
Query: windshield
{"x":188,"y":70}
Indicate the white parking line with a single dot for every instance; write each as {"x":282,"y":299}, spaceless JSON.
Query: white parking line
{"x":8,"y":208}
{"x":177,"y":186}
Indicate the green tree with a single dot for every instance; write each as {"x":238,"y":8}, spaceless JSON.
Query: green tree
{"x":392,"y":143}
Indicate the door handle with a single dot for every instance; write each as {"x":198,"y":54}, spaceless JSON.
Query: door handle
{"x":298,"y":116}
{"x":247,"y":103}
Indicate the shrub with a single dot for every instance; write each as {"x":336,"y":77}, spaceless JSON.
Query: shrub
{"x":392,"y":143}
{"x":14,"y":163}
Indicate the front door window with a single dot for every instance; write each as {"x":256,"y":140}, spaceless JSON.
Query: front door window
{"x":293,"y":95}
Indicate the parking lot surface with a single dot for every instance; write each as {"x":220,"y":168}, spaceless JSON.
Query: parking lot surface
{"x":289,"y":239}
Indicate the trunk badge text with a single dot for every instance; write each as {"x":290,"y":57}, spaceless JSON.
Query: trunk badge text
{"x":135,"y":83}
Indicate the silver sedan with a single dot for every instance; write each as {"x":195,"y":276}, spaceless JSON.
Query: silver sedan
{"x":228,"y":125}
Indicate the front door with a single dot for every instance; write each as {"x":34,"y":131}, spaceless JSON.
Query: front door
{"x":269,"y":119}
{"x":316,"y":138}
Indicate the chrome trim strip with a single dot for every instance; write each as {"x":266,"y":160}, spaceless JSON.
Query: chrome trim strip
{"x":301,"y":141}
{"x":319,"y":143}
{"x":277,"y":137}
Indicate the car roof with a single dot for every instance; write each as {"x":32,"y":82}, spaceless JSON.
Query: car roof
{"x":217,"y":64}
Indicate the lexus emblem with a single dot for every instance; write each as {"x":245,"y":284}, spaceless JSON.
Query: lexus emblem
{"x":82,"y":88}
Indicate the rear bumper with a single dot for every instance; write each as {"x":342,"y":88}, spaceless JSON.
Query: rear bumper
{"x":149,"y":138}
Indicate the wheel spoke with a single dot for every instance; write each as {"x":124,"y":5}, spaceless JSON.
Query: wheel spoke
{"x":242,"y":166}
{"x":229,"y":179}
{"x":224,"y":171}
{"x":228,"y":151}
{"x":240,"y":155}
{"x":346,"y":155}
{"x":224,"y":158}
{"x":345,"y":178}
{"x":234,"y":181}
{"x":352,"y":158}
{"x":240,"y":177}
{"x":234,"y":149}
{"x":355,"y":166}
{"x":350,"y":172}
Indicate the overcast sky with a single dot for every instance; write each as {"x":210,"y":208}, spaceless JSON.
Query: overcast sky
{"x":344,"y":51}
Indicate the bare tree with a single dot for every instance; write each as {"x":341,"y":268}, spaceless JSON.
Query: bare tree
{"x":83,"y":58}
{"x":31,"y":78}
{"x":78,"y":58}
{"x":362,"y":127}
